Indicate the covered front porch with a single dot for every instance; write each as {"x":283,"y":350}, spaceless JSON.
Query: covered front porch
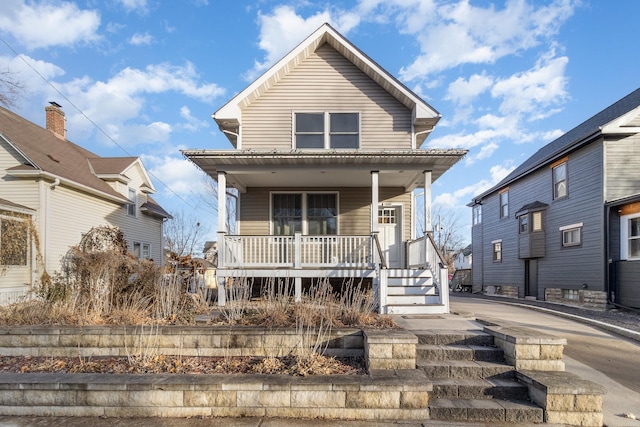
{"x":407,"y":272}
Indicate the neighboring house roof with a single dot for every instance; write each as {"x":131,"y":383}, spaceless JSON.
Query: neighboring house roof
{"x":154,"y":209}
{"x":584,"y":133}
{"x":6,"y":205}
{"x":467,"y":250}
{"x":229,"y":117}
{"x":45,"y":154}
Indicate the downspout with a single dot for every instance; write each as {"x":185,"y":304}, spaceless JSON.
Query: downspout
{"x":47,"y":224}
{"x":414,"y":136}
{"x":237,"y":135}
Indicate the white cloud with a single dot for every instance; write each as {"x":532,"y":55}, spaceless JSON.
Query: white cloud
{"x":140,"y":6}
{"x":45,"y":24}
{"x":180,"y":174}
{"x":283,"y":29}
{"x":117,"y":105}
{"x":463,"y":90}
{"x":141,"y":39}
{"x":485,"y":152}
{"x":192,"y":123}
{"x":463,"y":195}
{"x":459,"y":33}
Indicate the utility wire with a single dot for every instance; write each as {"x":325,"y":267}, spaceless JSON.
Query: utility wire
{"x":91,"y":121}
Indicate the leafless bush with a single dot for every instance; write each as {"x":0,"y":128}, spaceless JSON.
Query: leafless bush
{"x":238,"y":293}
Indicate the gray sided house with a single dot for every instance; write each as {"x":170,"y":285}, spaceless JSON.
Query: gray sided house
{"x":326,"y":157}
{"x":64,"y":191}
{"x":564,"y":226}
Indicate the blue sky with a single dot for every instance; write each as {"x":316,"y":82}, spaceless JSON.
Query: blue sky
{"x":142,"y":77}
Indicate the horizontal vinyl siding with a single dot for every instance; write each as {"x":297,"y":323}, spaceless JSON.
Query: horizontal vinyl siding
{"x":628,"y":289}
{"x":326,"y":81}
{"x":354,"y":204}
{"x":566,"y":268}
{"x":622,"y":167}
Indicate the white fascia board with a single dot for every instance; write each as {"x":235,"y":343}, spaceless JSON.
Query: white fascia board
{"x":145,"y":175}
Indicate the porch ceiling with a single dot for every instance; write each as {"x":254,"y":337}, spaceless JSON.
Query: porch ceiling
{"x":334,"y":168}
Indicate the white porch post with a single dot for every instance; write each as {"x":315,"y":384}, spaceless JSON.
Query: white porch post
{"x":297,"y":264}
{"x":374,"y":201}
{"x":222,"y":212}
{"x":428,"y":227}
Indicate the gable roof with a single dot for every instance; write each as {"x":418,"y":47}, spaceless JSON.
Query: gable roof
{"x":46,"y":155}
{"x":229,"y":117}
{"x":622,"y":117}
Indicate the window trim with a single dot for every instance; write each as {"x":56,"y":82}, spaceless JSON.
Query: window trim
{"x":496,"y":255}
{"x":504,"y":206}
{"x":304,"y":207}
{"x":142,"y":246}
{"x":565,"y":230}
{"x":132,"y":207}
{"x":554,"y":167}
{"x":476,"y":214}
{"x":326,"y":132}
{"x":625,"y":238}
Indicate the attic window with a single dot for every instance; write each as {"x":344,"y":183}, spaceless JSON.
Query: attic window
{"x":326,"y":130}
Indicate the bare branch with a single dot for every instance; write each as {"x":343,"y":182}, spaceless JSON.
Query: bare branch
{"x":11,"y":89}
{"x":184,"y":234}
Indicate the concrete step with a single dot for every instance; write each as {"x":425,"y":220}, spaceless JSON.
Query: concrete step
{"x":463,"y":388}
{"x":444,"y":337}
{"x":459,"y":352}
{"x":417,"y":289}
{"x":485,"y":410}
{"x":470,"y":369}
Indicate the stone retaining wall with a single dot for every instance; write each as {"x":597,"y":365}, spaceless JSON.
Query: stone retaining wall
{"x":401,"y":395}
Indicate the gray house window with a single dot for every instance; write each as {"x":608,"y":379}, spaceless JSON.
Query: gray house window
{"x":497,"y":250}
{"x":326,"y":130}
{"x":560,"y":181}
{"x":477,"y":214}
{"x":504,"y":204}
{"x":634,"y":238}
{"x":571,"y":235}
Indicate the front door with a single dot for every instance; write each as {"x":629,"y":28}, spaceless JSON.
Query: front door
{"x":531,"y":278}
{"x":390,"y":227}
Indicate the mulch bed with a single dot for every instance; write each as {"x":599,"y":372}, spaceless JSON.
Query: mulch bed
{"x":311,"y":365}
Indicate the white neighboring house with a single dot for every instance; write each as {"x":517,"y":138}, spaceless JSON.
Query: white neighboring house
{"x":68,"y":190}
{"x":463,"y":259}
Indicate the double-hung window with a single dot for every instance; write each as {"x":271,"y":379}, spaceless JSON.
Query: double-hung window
{"x":141,"y":250}
{"x":326,"y":130}
{"x":307,"y":213}
{"x":132,"y":206}
{"x":559,"y":172}
{"x":477,"y":214}
{"x":633,"y":238}
{"x":497,"y":250}
{"x":504,"y":203}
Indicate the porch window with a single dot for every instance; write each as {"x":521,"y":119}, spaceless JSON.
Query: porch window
{"x":504,"y":204}
{"x":307,"y":213}
{"x":14,"y":242}
{"x":497,"y":250}
{"x":571,"y":235}
{"x":326,"y":130}
{"x":560,"y":181}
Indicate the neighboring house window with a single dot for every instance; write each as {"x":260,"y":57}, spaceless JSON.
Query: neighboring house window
{"x":571,"y":235}
{"x":308,"y":213}
{"x":530,"y":222}
{"x":560,"y":181}
{"x":477,"y":214}
{"x":14,"y":242}
{"x":132,"y":207}
{"x":634,"y":238}
{"x":141,"y":250}
{"x":326,"y":130}
{"x":504,"y":204}
{"x":497,"y":250}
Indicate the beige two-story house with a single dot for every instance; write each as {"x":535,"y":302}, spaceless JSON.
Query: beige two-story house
{"x":326,"y":157}
{"x":65,"y":191}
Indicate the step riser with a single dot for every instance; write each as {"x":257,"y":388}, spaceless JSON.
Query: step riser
{"x":444,"y":370}
{"x":413,"y":299}
{"x":480,"y":339}
{"x":416,"y":309}
{"x":486,"y":415}
{"x":485,"y":354}
{"x":518,"y":392}
{"x":411,"y":290}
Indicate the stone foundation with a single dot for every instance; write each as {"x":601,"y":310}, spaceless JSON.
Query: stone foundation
{"x":586,"y":298}
{"x":508,"y":291}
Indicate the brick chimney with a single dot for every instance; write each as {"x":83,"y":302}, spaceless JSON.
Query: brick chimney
{"x":56,"y":121}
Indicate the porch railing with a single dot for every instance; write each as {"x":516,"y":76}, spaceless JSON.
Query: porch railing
{"x":423,"y":253}
{"x":296,"y":251}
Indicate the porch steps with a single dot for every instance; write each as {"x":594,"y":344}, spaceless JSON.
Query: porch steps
{"x":412,"y":292}
{"x":471,"y":382}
